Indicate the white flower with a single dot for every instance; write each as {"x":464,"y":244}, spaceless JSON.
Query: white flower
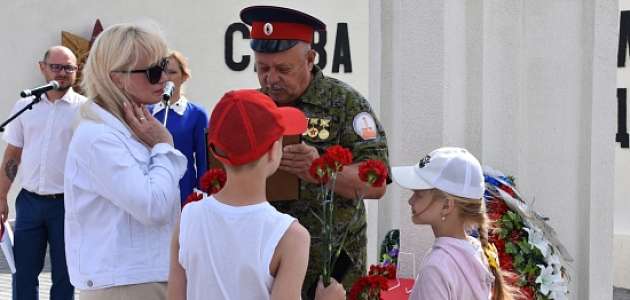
{"x":559,"y":290}
{"x":554,"y":260}
{"x":536,"y":238}
{"x":546,"y":279}
{"x":551,"y":283}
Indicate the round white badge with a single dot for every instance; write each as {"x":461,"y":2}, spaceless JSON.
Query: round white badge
{"x":268,"y":29}
{"x":365,"y":126}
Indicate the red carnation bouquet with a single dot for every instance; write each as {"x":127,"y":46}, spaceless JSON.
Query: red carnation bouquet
{"x":213,"y":181}
{"x":325,"y":169}
{"x":210,"y":183}
{"x":370,"y":287}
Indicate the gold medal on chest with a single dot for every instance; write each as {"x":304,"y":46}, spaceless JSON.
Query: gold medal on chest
{"x":324,"y":134}
{"x":312,"y":132}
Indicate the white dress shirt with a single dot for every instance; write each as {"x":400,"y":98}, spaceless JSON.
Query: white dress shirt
{"x":122,"y":202}
{"x":44,"y":133}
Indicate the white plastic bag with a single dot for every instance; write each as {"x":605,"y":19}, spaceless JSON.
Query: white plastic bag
{"x":6,"y":244}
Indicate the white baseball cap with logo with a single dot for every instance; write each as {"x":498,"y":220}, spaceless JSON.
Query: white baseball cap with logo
{"x":449,"y":169}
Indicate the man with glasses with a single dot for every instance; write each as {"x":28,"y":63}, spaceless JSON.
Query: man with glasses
{"x":37,"y":144}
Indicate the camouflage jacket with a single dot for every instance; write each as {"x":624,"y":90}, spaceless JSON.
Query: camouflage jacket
{"x":337,"y":114}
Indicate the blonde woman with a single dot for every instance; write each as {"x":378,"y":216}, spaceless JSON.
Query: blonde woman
{"x":448,"y":187}
{"x":121,"y":172}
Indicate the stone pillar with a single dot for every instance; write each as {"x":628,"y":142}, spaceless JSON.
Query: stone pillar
{"x":529,"y":88}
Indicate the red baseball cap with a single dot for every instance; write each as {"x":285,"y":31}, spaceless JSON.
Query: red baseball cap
{"x":245,"y":123}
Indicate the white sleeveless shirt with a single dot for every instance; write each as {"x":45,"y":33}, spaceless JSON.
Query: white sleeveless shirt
{"x":226,"y":250}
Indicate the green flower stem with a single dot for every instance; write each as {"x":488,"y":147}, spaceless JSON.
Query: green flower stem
{"x":328,"y":229}
{"x":325,"y":238}
{"x":317,"y":217}
{"x":348,"y":226}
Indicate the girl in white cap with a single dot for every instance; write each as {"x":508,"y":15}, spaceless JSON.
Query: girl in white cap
{"x":448,"y":189}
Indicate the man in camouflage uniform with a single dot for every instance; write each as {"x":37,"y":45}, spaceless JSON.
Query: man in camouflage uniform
{"x":338,"y":114}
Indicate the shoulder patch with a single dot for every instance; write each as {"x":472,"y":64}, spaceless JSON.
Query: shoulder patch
{"x":365,"y":126}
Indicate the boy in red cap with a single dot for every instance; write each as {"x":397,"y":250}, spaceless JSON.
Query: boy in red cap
{"x":234,"y":244}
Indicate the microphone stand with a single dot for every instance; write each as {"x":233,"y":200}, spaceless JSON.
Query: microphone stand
{"x":38,"y":97}
{"x":167,"y":107}
{"x":167,"y":94}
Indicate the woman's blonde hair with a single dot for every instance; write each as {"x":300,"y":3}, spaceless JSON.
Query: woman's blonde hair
{"x":473,"y":213}
{"x":120,"y":47}
{"x":182,"y":62}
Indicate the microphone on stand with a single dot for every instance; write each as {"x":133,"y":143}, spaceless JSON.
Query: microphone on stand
{"x":52,"y":85}
{"x":37,"y":92}
{"x":167,"y":93}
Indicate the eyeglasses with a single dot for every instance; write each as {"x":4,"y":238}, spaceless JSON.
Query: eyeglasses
{"x":58,"y":67}
{"x":153,"y":73}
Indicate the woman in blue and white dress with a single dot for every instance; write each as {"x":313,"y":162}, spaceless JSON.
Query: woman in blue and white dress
{"x":187,"y":122}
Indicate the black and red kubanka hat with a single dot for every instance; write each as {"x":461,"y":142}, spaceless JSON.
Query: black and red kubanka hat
{"x":276,"y":29}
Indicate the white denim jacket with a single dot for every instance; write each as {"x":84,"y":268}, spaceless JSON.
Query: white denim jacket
{"x":121,"y":204}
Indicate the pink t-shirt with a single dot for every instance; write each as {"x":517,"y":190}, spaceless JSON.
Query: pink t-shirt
{"x":454,"y":269}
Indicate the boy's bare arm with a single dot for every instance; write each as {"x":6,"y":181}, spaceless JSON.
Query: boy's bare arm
{"x":177,"y":274}
{"x":293,"y":255}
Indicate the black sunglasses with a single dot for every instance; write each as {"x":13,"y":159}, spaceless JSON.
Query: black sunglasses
{"x":153,"y":73}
